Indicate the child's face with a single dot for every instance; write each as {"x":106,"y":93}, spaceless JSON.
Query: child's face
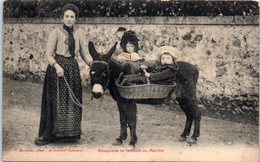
{"x":166,"y":59}
{"x":69,"y":18}
{"x":130,"y":47}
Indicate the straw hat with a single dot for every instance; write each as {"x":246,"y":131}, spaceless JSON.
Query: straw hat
{"x":174,"y":52}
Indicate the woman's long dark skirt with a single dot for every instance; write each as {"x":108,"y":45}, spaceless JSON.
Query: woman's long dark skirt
{"x":62,"y":118}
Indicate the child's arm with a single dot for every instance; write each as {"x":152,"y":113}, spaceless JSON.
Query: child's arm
{"x":148,"y":64}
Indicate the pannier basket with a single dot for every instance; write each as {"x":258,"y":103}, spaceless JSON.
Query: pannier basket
{"x":144,"y":91}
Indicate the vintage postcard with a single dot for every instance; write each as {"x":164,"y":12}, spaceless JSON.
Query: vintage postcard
{"x":145,"y":80}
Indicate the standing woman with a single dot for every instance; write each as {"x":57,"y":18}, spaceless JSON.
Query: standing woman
{"x":60,"y":116}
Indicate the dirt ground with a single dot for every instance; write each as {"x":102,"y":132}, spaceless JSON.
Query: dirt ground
{"x":158,"y":127}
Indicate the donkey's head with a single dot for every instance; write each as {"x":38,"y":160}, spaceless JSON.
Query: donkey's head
{"x":99,"y":72}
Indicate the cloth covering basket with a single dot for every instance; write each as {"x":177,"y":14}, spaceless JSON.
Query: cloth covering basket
{"x":144,"y":91}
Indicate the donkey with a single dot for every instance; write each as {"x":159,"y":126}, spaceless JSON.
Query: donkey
{"x":103,"y":74}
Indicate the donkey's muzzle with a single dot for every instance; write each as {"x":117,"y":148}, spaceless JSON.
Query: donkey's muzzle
{"x":96,"y":95}
{"x":97,"y":91}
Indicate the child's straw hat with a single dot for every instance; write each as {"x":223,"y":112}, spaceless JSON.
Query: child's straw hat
{"x":174,"y":52}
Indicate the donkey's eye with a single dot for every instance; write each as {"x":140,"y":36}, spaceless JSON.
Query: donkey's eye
{"x":92,"y":72}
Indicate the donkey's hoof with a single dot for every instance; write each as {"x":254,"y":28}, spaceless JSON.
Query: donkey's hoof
{"x":117,"y":142}
{"x":132,"y":145}
{"x":182,"y":139}
{"x":192,"y":141}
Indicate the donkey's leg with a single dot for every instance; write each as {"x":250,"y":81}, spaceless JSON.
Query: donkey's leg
{"x":186,"y":131}
{"x":123,"y":123}
{"x":196,"y":118}
{"x":192,"y":112}
{"x":196,"y":113}
{"x":131,"y":120}
{"x":184,"y":104}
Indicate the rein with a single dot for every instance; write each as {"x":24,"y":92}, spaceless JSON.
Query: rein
{"x":102,"y":62}
{"x":71,"y":94}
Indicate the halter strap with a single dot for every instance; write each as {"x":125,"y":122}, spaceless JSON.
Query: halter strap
{"x":98,"y":61}
{"x":105,"y":63}
{"x":102,"y":62}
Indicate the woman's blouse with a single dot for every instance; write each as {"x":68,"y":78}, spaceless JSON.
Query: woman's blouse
{"x":58,"y":44}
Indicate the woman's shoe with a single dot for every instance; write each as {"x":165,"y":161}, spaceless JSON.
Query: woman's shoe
{"x":40,"y":141}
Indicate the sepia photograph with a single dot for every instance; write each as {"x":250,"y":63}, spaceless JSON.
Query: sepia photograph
{"x":124,"y":80}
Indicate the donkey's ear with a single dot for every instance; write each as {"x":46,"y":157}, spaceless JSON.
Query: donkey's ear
{"x":110,"y":52}
{"x":92,"y":50}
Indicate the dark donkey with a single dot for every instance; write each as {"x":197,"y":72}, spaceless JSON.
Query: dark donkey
{"x":104,"y":72}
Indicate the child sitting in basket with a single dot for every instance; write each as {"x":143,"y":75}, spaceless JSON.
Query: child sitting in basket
{"x":129,"y":43}
{"x":162,"y":72}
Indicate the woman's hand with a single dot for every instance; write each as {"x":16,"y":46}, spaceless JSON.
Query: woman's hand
{"x":59,"y":70}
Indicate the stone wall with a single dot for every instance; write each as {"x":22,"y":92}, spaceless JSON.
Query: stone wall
{"x":227,"y":57}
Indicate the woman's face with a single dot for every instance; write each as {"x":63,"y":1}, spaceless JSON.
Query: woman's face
{"x":130,"y":47}
{"x":69,"y":18}
{"x":166,"y":59}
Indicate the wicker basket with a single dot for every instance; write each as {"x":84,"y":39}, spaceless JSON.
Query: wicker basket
{"x":144,"y":91}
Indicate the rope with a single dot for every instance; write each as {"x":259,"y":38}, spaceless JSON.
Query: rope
{"x":73,"y":97}
{"x":71,"y":94}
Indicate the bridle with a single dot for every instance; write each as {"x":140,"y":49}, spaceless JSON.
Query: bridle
{"x":108,"y":71}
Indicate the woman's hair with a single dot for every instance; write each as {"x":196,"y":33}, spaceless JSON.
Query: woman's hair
{"x":129,"y":37}
{"x":72,"y":7}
